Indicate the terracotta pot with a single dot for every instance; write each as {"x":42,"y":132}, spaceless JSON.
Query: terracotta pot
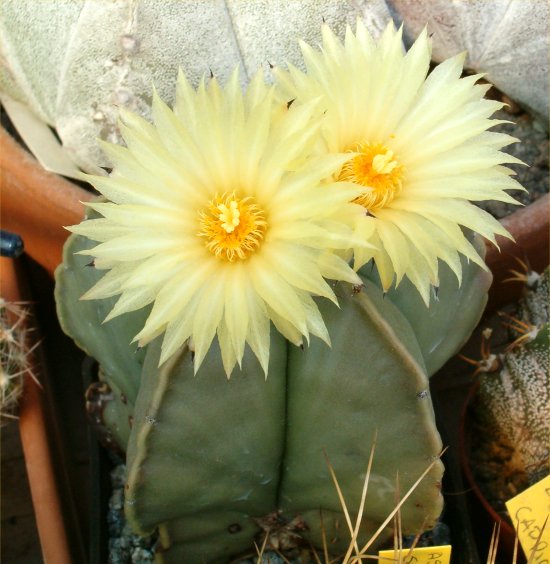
{"x":530,"y":228}
{"x":49,"y":470}
{"x":36,"y":204}
{"x":482,"y":514}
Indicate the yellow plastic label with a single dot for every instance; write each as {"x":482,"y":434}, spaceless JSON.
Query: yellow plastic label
{"x":424,"y":555}
{"x":528,"y":511}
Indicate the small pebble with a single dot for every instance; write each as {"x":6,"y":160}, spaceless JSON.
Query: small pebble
{"x":124,"y":546}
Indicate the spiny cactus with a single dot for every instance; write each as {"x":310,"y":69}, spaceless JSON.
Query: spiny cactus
{"x":14,"y":358}
{"x":533,"y":307}
{"x":513,"y":401}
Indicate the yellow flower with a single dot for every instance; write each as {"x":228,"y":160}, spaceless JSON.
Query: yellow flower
{"x":218,"y":216}
{"x":418,"y":147}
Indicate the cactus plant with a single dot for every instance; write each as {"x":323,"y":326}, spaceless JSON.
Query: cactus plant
{"x":14,"y":358}
{"x":226,"y":224}
{"x":209,"y":457}
{"x":513,"y":400}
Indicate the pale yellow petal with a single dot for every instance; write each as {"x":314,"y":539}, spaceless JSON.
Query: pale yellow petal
{"x":175,"y":295}
{"x":416,"y":229}
{"x":257,"y":90}
{"x":156,"y":270}
{"x":131,"y":300}
{"x":139,"y":126}
{"x":480,"y":186}
{"x":457,"y":211}
{"x":258,"y":328}
{"x":184,"y":107}
{"x":298,"y":266}
{"x":144,"y":216}
{"x":111,"y":284}
{"x":334,"y":267}
{"x":211,"y":302}
{"x":452,"y":132}
{"x":153,"y":156}
{"x":417,"y":275}
{"x":178,"y":142}
{"x":255,"y":137}
{"x":315,"y":323}
{"x":395,"y":245}
{"x":132,"y":247}
{"x":126,"y":191}
{"x":439,"y":96}
{"x":287,"y":328}
{"x":323,"y":235}
{"x":278,"y":294}
{"x":416,"y":64}
{"x":365,"y":229}
{"x":177,"y":332}
{"x":382,"y":260}
{"x":455,"y":234}
{"x":229,"y":356}
{"x":322,"y":206}
{"x":462,"y":160}
{"x":236,"y":316}
{"x":99,"y":229}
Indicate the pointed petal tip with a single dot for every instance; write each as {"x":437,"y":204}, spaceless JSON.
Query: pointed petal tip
{"x":111,"y":315}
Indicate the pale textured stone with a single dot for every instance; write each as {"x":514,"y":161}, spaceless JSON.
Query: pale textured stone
{"x":33,"y":42}
{"x":76,"y":62}
{"x":507,"y":39}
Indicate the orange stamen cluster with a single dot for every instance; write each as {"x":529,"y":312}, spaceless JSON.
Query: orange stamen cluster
{"x":233,"y":227}
{"x":376,"y":168}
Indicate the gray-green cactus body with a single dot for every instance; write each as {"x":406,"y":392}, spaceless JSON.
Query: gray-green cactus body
{"x":455,"y":309}
{"x":211,"y":456}
{"x":514,"y":402}
{"x":110,"y":412}
{"x":205,"y":452}
{"x":371,"y":382}
{"x":110,"y":343}
{"x":212,"y":462}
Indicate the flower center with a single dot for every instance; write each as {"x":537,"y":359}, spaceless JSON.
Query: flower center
{"x":233,"y":227}
{"x":376,"y":168}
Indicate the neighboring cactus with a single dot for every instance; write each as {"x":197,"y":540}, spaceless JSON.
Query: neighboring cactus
{"x":513,"y":402}
{"x":14,"y":358}
{"x":533,"y":307}
{"x":207,"y":458}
